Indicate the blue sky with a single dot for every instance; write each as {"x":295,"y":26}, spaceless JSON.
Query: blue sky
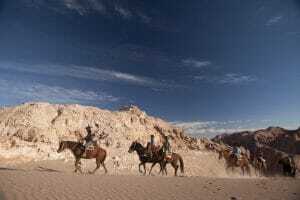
{"x":190,"y":62}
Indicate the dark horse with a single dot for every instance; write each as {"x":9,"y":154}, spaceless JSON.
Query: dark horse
{"x":288,"y":166}
{"x":260,"y":165}
{"x":158,"y":156}
{"x":78,"y":151}
{"x":173,"y":160}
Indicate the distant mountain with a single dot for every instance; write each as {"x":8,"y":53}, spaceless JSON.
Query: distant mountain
{"x":274,"y":142}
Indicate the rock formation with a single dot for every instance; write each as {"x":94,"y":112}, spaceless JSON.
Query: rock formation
{"x":274,"y":142}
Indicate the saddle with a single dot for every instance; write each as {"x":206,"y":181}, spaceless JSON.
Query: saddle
{"x":236,"y":158}
{"x":89,"y":148}
{"x":168,"y":156}
{"x":154,"y":151}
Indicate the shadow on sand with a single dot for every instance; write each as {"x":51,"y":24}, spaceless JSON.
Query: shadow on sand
{"x":44,"y":169}
{"x":10,"y":169}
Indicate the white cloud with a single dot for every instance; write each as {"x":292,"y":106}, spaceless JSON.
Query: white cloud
{"x":41,"y":92}
{"x":274,"y":20}
{"x":195,"y":63}
{"x":226,"y":79}
{"x":89,"y":73}
{"x":123,"y":12}
{"x":85,"y":7}
{"x":212,"y":128}
{"x":232,"y":78}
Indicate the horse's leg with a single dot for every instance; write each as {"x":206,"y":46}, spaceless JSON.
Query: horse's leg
{"x":97,"y":166}
{"x":175,"y":166}
{"x":77,"y":166}
{"x":140,"y":167}
{"x":165,"y":168}
{"x":160,"y":171}
{"x":103,"y":165}
{"x":153,"y":164}
{"x":144,"y":165}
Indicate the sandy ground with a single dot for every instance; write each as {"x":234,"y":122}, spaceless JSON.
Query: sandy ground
{"x":55,"y":180}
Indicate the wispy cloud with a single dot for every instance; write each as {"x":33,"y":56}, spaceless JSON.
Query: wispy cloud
{"x":40,"y":92}
{"x":226,"y":79}
{"x":195,"y":63}
{"x":144,"y":18}
{"x":89,"y":73}
{"x":232,"y":78}
{"x":85,"y":7}
{"x":212,"y":128}
{"x":123,"y":12}
{"x":274,"y":20}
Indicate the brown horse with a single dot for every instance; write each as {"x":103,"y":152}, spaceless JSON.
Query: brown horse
{"x":259,"y":165}
{"x":232,"y":161}
{"x":78,"y":151}
{"x":173,"y":160}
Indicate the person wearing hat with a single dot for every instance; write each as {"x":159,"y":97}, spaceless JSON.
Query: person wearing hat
{"x":168,"y":146}
{"x":236,"y":151}
{"x":150,"y":146}
{"x":261,"y":157}
{"x":89,"y":138}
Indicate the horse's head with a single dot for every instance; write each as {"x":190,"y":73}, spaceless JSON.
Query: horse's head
{"x":133,"y":146}
{"x":62,"y":146}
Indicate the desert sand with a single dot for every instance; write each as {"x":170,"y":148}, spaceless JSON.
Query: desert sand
{"x":56,"y":180}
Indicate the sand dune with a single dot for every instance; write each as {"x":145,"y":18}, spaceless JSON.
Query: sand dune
{"x":55,"y":180}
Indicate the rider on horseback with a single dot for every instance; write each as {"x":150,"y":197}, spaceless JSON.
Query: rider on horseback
{"x":89,"y":139}
{"x":236,"y":151}
{"x":261,"y":157}
{"x":167,"y":146}
{"x":151,"y":146}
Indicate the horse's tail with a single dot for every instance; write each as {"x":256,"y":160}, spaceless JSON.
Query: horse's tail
{"x":181,"y":164}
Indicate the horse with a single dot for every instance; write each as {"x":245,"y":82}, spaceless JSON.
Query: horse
{"x":78,"y":151}
{"x":173,"y":160}
{"x":288,"y":166}
{"x":157,"y":157}
{"x":232,"y":162}
{"x":259,"y":165}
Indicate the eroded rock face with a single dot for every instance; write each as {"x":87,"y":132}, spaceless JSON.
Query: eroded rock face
{"x":274,"y":142}
{"x":41,"y":126}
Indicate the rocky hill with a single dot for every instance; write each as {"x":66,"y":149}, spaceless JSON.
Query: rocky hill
{"x":33,"y":124}
{"x":32,"y":131}
{"x":274,"y":142}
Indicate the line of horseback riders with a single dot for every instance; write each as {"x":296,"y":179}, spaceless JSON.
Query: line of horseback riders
{"x":234,"y":157}
{"x":87,"y":148}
